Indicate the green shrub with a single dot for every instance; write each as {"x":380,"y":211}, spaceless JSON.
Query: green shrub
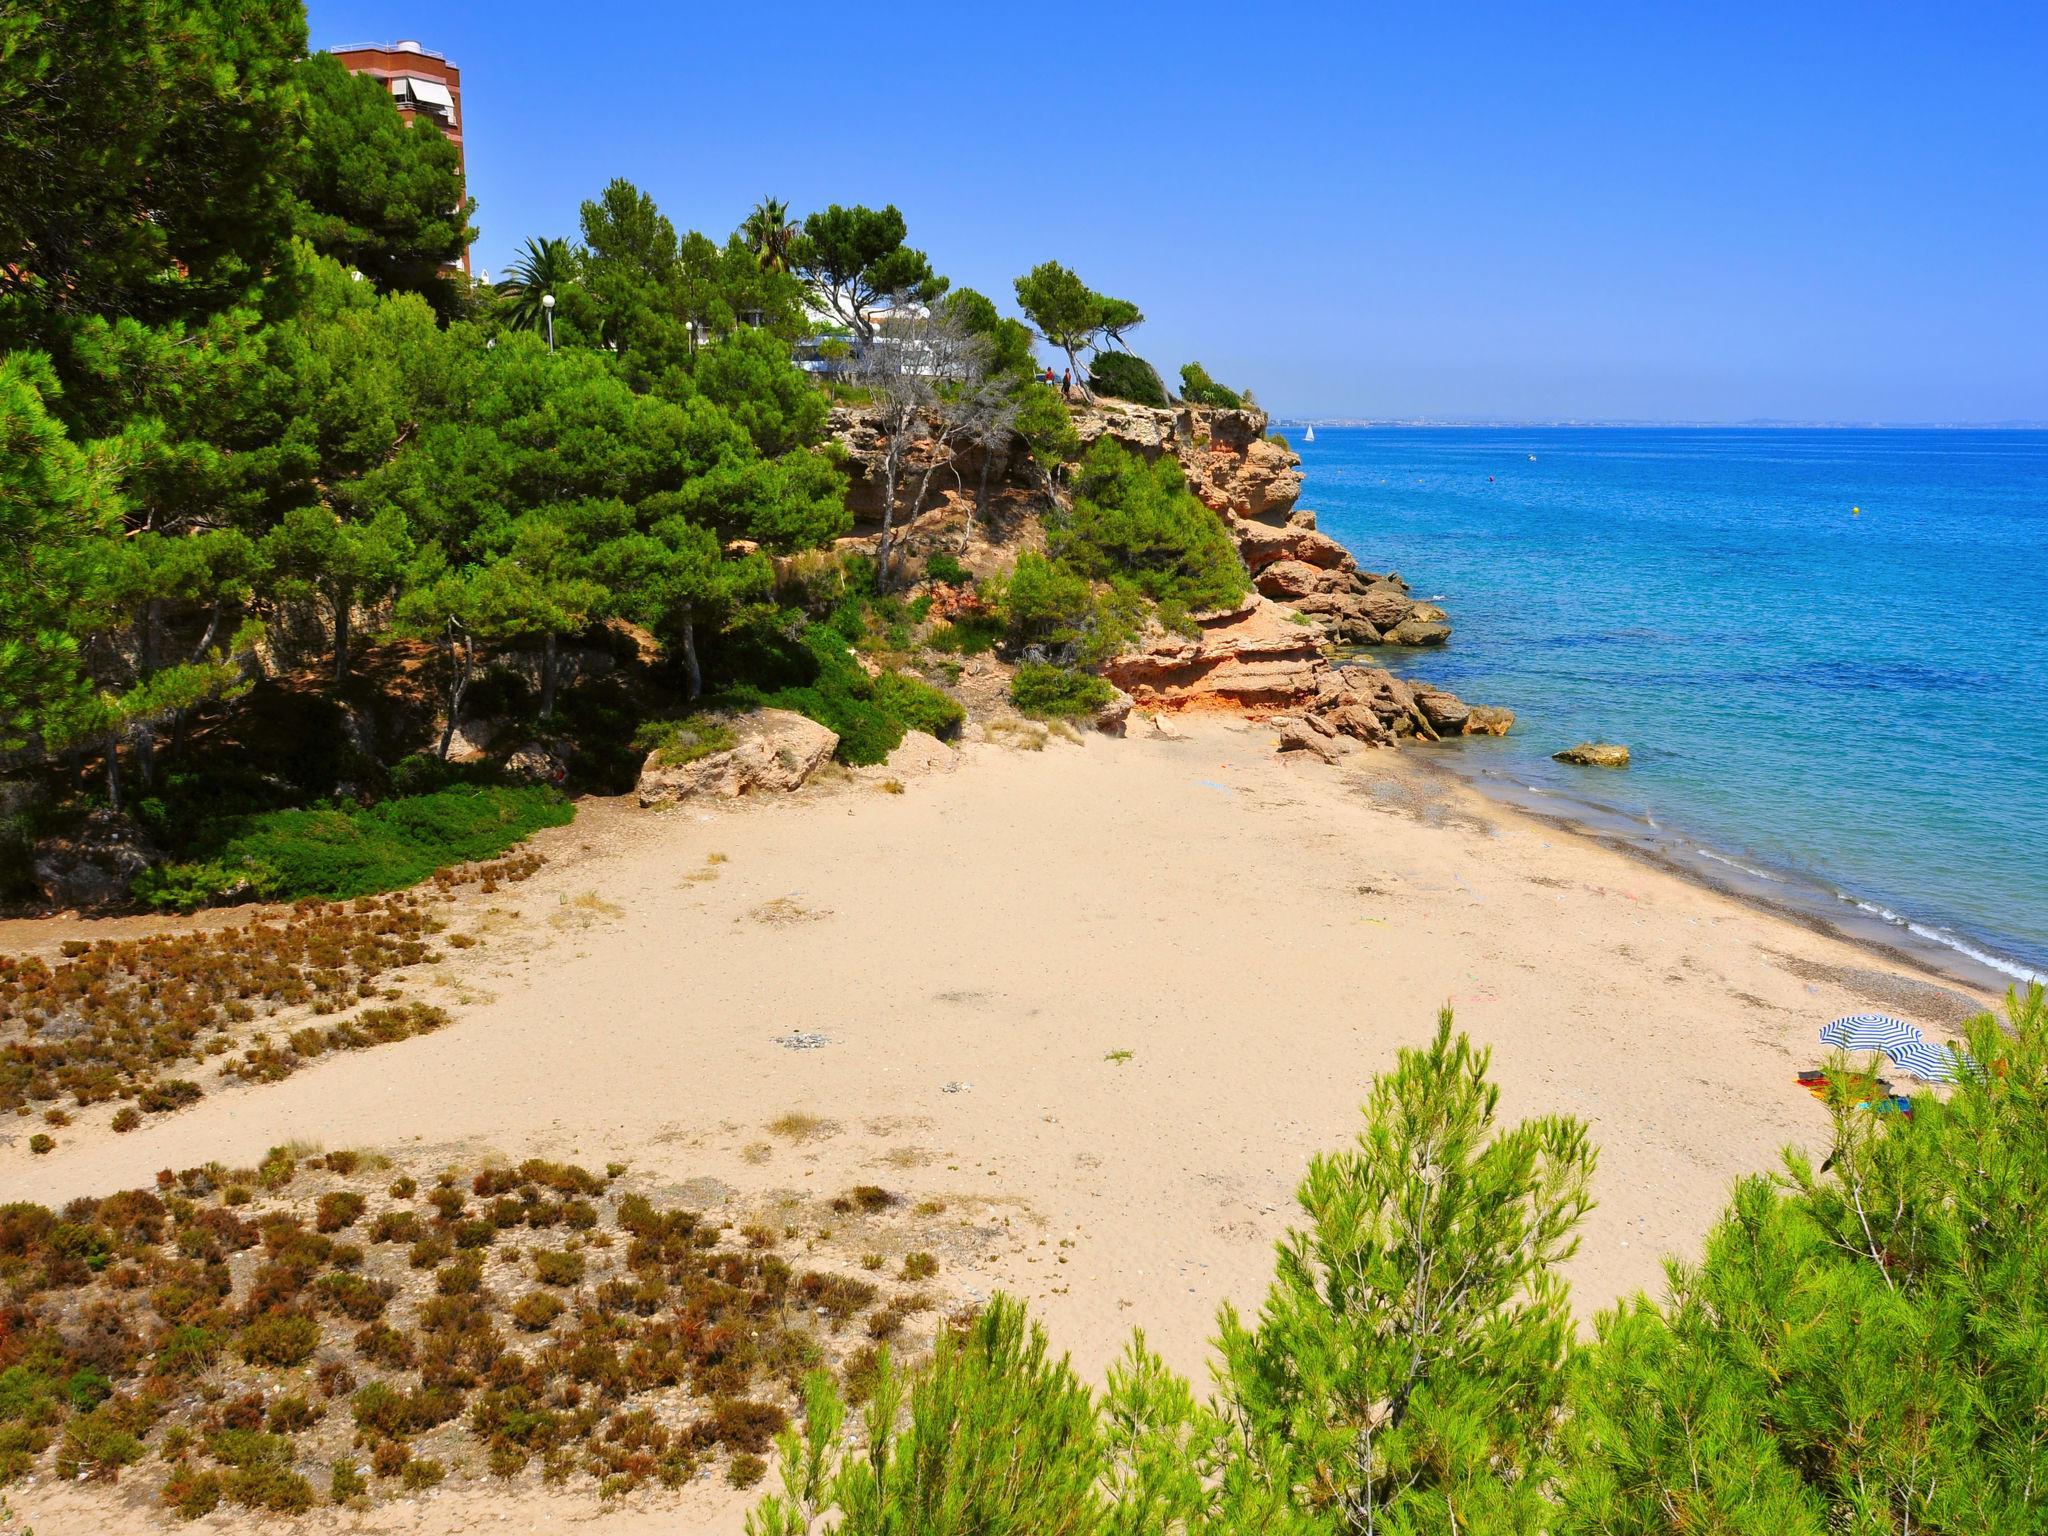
{"x":869,"y":715}
{"x":971,"y":634}
{"x":1043,"y":602}
{"x":280,"y":1338}
{"x":918,"y":706}
{"x":948,"y":569}
{"x":1139,"y":521}
{"x":346,"y":851}
{"x":1127,"y":378}
{"x":1049,"y":693}
{"x":1197,"y":388}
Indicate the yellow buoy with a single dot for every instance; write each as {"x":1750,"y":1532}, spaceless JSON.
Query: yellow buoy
{"x":1855,"y":511}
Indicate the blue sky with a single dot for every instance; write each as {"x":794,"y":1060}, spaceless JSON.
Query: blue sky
{"x":1539,"y":212}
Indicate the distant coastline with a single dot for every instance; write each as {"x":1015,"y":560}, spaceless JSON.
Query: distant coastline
{"x":1761,"y":424}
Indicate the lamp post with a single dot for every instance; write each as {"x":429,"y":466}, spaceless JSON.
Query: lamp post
{"x":547,"y":304}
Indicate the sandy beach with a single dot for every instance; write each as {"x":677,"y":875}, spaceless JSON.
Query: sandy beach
{"x":1259,"y":933}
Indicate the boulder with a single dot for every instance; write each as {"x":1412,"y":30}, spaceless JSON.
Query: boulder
{"x":471,"y":740}
{"x":1359,"y":723}
{"x":1301,"y":517}
{"x":1489,"y":720}
{"x":1386,"y":604}
{"x":1343,"y":614}
{"x":918,"y":754}
{"x":1446,"y":712}
{"x":95,"y":867}
{"x":535,"y":762}
{"x":1114,"y":717}
{"x":777,"y":750}
{"x":1414,"y":631}
{"x":1595,"y":754}
{"x":1308,"y":734}
{"x":1288,"y":579}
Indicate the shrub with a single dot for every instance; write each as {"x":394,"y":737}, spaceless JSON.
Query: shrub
{"x":1197,"y":388}
{"x":919,"y":1266}
{"x":347,"y":1482}
{"x":970,"y":634}
{"x":918,"y":706}
{"x":1139,"y":521}
{"x":126,"y":1118}
{"x":279,"y":1338}
{"x":558,"y":1267}
{"x":536,"y":1311}
{"x":1127,"y":377}
{"x":163,"y":1097}
{"x":1043,"y":601}
{"x":948,"y":569}
{"x":347,"y":851}
{"x":1050,"y":693}
{"x":746,"y":1470}
{"x":338,"y":1209}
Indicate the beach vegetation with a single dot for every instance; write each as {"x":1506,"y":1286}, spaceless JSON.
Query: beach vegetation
{"x":1048,"y":693}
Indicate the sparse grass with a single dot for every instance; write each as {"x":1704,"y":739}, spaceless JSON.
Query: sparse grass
{"x":891,"y":786}
{"x":756,"y":1152}
{"x":1019,"y":735}
{"x":919,"y":1266}
{"x":800,"y":1125}
{"x":1119,"y":1056}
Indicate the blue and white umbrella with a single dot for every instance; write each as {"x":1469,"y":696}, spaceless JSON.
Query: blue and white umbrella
{"x":1897,"y":1039}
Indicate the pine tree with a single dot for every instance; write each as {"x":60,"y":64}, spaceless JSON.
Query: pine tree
{"x":1409,"y":1358}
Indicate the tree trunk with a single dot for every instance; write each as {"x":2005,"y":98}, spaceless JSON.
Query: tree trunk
{"x":341,"y":607}
{"x":114,"y":770}
{"x":888,"y":514}
{"x":980,"y":505}
{"x":461,"y":656}
{"x":547,"y":677}
{"x":693,"y":675}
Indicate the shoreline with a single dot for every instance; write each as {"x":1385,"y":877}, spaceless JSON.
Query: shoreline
{"x":1799,"y":896}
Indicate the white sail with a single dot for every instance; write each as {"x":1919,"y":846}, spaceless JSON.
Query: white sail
{"x":1309,"y":436}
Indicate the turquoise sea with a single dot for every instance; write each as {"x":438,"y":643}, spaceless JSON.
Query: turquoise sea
{"x":1827,"y":649}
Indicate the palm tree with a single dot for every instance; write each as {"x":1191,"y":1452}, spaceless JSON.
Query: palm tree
{"x":768,"y":231}
{"x":546,"y":266}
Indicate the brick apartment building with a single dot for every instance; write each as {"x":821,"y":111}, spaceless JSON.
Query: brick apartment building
{"x":424,"y":84}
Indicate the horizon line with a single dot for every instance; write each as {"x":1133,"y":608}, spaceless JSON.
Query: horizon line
{"x":1761,"y":423}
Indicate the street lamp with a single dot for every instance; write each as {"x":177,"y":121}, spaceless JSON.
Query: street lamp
{"x":547,"y":304}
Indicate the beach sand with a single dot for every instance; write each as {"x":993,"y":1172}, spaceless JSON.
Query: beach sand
{"x":1260,"y":934}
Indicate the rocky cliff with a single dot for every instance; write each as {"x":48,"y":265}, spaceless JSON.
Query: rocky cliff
{"x":1270,"y":655}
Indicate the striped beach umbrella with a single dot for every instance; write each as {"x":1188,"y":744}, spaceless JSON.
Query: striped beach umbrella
{"x":1897,"y":1039}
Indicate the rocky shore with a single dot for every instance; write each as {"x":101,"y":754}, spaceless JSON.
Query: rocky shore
{"x":1272,"y":656}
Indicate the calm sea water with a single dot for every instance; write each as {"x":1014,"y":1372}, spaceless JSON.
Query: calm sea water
{"x":1855,"y":707}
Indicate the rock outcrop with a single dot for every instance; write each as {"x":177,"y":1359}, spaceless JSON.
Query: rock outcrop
{"x":776,"y":751}
{"x":1255,"y":657}
{"x":1594,"y":754}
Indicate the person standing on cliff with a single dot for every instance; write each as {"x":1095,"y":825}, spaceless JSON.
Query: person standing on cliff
{"x":1048,"y":375}
{"x":1066,"y":382}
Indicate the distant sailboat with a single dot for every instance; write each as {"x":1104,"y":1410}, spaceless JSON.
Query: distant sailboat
{"x":1309,"y":436}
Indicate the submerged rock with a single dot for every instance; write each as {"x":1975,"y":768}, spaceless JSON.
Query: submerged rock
{"x":777,"y":750}
{"x":1595,"y":754}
